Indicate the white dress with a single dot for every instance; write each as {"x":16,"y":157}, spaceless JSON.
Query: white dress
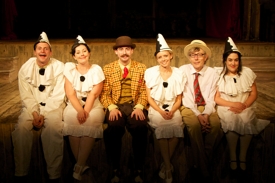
{"x":236,"y":89}
{"x":93,"y":125}
{"x":161,"y":95}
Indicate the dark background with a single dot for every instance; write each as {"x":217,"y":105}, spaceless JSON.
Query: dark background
{"x":138,"y":19}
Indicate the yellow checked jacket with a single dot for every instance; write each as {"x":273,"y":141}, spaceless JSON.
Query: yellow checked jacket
{"x":112,"y":84}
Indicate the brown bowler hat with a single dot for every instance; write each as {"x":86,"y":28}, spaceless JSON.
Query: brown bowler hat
{"x":124,"y":41}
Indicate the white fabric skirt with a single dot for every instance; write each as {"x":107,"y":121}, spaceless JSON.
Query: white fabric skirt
{"x":91,"y":128}
{"x":166,"y":128}
{"x":243,"y":123}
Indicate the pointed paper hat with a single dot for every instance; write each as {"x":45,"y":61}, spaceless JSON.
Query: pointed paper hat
{"x":230,"y":46}
{"x":43,"y":38}
{"x":161,"y":44}
{"x":79,"y":40}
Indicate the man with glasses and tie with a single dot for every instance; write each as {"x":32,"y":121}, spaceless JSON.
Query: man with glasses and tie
{"x":41,"y":87}
{"x":198,"y":106}
{"x":125,"y":100}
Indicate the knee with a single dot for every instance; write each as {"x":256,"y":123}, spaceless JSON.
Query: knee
{"x":215,"y":123}
{"x":114,"y":130}
{"x":193,"y":125}
{"x":53,"y":120}
{"x":23,"y":127}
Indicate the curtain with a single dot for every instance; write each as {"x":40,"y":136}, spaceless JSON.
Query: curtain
{"x":223,"y":19}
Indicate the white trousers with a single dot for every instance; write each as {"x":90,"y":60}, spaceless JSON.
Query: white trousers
{"x":52,"y":143}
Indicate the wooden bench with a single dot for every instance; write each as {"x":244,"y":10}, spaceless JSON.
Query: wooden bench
{"x":260,"y":155}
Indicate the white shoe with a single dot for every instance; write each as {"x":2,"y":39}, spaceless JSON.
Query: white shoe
{"x":162,"y":171}
{"x":78,"y":171}
{"x":167,"y":172}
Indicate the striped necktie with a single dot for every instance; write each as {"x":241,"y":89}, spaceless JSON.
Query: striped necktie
{"x":198,"y":96}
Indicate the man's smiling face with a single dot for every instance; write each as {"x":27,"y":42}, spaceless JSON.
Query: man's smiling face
{"x":43,"y":53}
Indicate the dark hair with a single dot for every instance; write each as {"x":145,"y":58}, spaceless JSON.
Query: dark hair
{"x":224,"y":58}
{"x":35,"y":44}
{"x":78,"y":44}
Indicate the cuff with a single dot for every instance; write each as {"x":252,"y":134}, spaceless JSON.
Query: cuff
{"x":112,"y":106}
{"x":139,"y":106}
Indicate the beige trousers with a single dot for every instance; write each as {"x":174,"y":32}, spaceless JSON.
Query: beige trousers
{"x":202,"y":144}
{"x":52,"y":143}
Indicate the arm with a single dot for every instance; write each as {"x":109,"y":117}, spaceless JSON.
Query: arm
{"x":165,"y":114}
{"x":92,"y":96}
{"x":252,"y":96}
{"x":154,"y":105}
{"x":139,"y":96}
{"x":220,"y":101}
{"x":175,"y":107}
{"x":26,"y":95}
{"x":106,"y":94}
{"x":30,"y":102}
{"x":142,"y":94}
{"x":249,"y":101}
{"x":211,"y":88}
{"x":71,"y":94}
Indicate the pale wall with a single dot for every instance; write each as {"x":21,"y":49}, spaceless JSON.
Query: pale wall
{"x":102,"y":52}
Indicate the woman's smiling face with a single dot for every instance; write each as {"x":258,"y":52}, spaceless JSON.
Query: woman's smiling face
{"x":232,"y":63}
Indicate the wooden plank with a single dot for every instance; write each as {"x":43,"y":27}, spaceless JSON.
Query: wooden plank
{"x":259,"y":62}
{"x":6,"y":152}
{"x":7,"y":104}
{"x":268,"y":88}
{"x":6,"y":86}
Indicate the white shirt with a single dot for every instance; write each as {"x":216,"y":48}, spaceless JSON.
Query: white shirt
{"x":53,"y":80}
{"x":208,"y":82}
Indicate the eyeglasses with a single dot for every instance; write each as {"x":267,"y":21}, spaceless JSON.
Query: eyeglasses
{"x":199,"y":55}
{"x":165,"y":84}
{"x":42,"y":71}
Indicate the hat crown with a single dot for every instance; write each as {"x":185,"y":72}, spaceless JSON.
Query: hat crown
{"x":79,"y":40}
{"x":43,"y":38}
{"x":230,"y":46}
{"x":197,"y":43}
{"x":124,"y":41}
{"x":161,"y":44}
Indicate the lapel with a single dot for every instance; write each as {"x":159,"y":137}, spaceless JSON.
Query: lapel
{"x":117,"y":76}
{"x":133,"y":79}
